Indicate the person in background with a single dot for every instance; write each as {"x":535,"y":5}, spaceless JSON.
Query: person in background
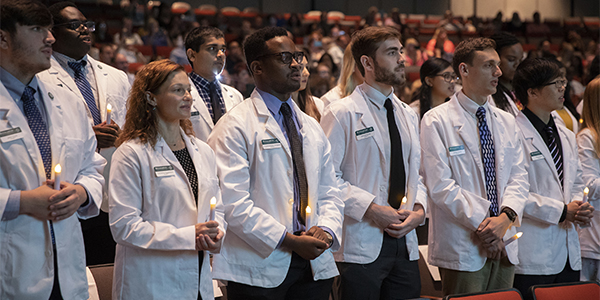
{"x":511,"y":54}
{"x":243,"y":82}
{"x":42,"y":125}
{"x":234,"y":56}
{"x":414,"y":55}
{"x":440,"y":46}
{"x":473,"y":166}
{"x":350,"y":77}
{"x":588,"y":142}
{"x":437,"y":85}
{"x":120,"y":62}
{"x":274,"y":163}
{"x":162,"y":181}
{"x":96,"y":85}
{"x":126,"y":36}
{"x":549,"y":250}
{"x":205,"y":49}
{"x":107,"y":53}
{"x":309,"y":104}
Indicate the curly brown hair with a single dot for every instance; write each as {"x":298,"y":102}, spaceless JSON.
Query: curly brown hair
{"x":141,"y":120}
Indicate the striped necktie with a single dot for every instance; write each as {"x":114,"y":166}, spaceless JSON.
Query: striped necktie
{"x":38,"y":128}
{"x":489,"y":161}
{"x":556,"y":155}
{"x":86,"y":89}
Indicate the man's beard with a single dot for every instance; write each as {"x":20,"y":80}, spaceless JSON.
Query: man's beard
{"x":390,"y":78}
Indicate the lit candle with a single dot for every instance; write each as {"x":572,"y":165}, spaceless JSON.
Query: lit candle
{"x":585,"y":194}
{"x":308,"y":213}
{"x":403,"y":201}
{"x":108,"y":113}
{"x":57,"y":170}
{"x":213,"y":203}
{"x":513,"y":238}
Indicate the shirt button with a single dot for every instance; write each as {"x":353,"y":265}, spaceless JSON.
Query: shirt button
{"x":382,"y":188}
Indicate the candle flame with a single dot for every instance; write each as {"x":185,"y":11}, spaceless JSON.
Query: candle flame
{"x":308,"y":210}
{"x":581,"y":121}
{"x":109,"y":107}
{"x":586,"y":190}
{"x":404,"y":200}
{"x":213,"y":201}
{"x":518,"y":235}
{"x":57,"y":169}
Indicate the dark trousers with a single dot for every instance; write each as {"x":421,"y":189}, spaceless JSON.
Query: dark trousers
{"x":298,"y":284}
{"x":391,"y":276}
{"x":524,"y":282}
{"x":97,"y":238}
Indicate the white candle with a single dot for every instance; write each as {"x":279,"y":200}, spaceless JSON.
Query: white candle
{"x":57,"y":170}
{"x":108,"y":113}
{"x":585,"y":194}
{"x":213,"y":203}
{"x":308,"y":213}
{"x":513,"y":238}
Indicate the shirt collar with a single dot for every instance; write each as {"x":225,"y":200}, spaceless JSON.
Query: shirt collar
{"x":471,"y":106}
{"x":274,"y":104}
{"x":537,"y":123}
{"x":15,"y":87}
{"x":64,"y":60}
{"x":375,"y":96}
{"x":202,"y":82}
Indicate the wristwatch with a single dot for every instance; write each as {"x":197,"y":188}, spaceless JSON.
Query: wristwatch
{"x":512,"y":216}
{"x":329,"y":239}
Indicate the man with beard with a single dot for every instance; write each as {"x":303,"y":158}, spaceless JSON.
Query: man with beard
{"x":205,"y":49}
{"x":42,"y":249}
{"x":473,"y":167}
{"x":96,"y":85}
{"x":281,"y":200}
{"x":376,"y":154}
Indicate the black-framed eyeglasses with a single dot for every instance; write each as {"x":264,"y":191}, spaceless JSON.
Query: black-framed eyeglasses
{"x":286,"y":56}
{"x":560,"y":83}
{"x":76,"y":25}
{"x":448,"y":77}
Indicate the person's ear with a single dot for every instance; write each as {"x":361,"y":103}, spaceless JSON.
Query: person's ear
{"x":5,"y":39}
{"x":191,"y":55}
{"x":151,"y":99}
{"x":255,"y":68}
{"x":463,"y":69}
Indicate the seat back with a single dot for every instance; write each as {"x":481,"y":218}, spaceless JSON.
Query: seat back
{"x":508,"y":294}
{"x":103,"y":275}
{"x":577,"y":290}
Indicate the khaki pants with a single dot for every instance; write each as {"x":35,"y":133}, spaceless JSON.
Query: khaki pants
{"x":495,"y":275}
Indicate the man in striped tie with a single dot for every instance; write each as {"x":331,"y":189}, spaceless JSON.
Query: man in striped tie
{"x":474,"y":172}
{"x":549,"y":250}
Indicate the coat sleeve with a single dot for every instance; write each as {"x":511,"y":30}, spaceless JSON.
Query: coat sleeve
{"x":516,"y":192}
{"x":125,"y":205}
{"x":356,"y":199}
{"x":466,"y":207}
{"x":249,"y":222}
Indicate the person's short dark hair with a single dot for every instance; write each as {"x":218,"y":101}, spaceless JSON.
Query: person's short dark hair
{"x":465,"y":51}
{"x":198,"y":36}
{"x":367,"y":41}
{"x":504,"y":39}
{"x":255,"y":45}
{"x":23,"y":12}
{"x":532,"y":74}
{"x":56,"y":8}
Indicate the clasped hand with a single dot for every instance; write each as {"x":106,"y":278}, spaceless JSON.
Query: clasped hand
{"x":208,"y":236}
{"x":46,"y":203}
{"x":397,"y":223}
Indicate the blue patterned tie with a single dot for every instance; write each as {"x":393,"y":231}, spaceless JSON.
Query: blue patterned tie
{"x":489,"y":161}
{"x":38,"y":128}
{"x":86,"y":89}
{"x":556,"y":155}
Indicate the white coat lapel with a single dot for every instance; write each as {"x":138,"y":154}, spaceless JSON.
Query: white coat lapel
{"x":535,"y":139}
{"x":56,"y":120}
{"x":567,"y":152}
{"x":200,"y":106}
{"x":101,"y":76}
{"x":364,"y":114}
{"x":63,"y":77}
{"x":167,"y":154}
{"x":271,"y":125}
{"x":498,"y":129}
{"x":468,"y":134}
{"x":227,"y":98}
{"x":406,"y":129}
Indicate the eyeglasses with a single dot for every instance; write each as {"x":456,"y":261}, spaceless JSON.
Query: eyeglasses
{"x":448,"y":77}
{"x":560,"y":83}
{"x":76,"y":25}
{"x":286,"y":57}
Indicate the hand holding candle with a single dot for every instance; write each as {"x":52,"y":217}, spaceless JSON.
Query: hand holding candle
{"x":513,"y":238}
{"x":108,"y":114}
{"x":57,"y":170}
{"x":308,"y":215}
{"x":213,"y":203}
{"x":585,"y":194}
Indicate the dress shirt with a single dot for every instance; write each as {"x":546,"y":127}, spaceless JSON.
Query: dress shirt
{"x":203,"y":87}
{"x":471,"y":107}
{"x":88,"y":71}
{"x":540,"y":126}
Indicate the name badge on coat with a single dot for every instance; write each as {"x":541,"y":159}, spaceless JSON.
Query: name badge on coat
{"x":195,"y":113}
{"x":270,"y":144}
{"x":364,"y":133}
{"x":456,"y":150}
{"x":164,"y":171}
{"x":10,"y":135}
{"x":536,"y":155}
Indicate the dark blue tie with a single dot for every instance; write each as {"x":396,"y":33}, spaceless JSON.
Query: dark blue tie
{"x":38,"y":128}
{"x":86,"y":89}
{"x":489,"y":161}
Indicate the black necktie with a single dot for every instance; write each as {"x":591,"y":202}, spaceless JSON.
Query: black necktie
{"x":556,"y":155}
{"x":297,"y":158}
{"x":215,"y":101}
{"x":397,"y":172}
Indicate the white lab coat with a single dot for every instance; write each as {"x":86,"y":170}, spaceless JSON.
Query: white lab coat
{"x":26,"y":260}
{"x":559,"y":120}
{"x":456,"y":182}
{"x":332,"y":95}
{"x":590,"y":164}
{"x":153,"y":217}
{"x":201,"y":119}
{"x":258,"y":190}
{"x":546,"y":243}
{"x":360,"y":165}
{"x":113,"y":88}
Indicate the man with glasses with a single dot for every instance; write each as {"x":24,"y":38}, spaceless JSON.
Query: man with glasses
{"x":96,"y":85}
{"x":377,"y":155}
{"x":41,"y":126}
{"x":549,"y":250}
{"x":205,"y":49}
{"x":473,"y":167}
{"x":281,"y":200}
